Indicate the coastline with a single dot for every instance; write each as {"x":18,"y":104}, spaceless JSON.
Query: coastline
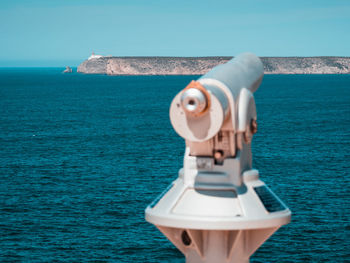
{"x":201,"y":65}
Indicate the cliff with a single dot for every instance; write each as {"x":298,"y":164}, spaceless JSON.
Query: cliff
{"x":201,"y":65}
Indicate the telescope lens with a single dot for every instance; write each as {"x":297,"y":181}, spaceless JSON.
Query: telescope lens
{"x":193,"y":101}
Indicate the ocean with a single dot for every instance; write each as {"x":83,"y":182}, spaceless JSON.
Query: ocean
{"x":81,"y":156}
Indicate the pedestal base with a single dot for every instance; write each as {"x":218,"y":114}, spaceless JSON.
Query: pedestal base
{"x":217,"y":246}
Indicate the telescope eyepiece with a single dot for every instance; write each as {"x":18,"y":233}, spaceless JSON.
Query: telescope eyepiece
{"x":193,"y":101}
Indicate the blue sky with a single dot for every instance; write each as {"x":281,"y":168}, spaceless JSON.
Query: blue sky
{"x":65,"y":32}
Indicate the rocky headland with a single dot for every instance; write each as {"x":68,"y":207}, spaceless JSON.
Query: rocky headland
{"x":201,"y":65}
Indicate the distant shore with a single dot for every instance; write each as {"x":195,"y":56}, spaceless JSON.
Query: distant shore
{"x":201,"y":65}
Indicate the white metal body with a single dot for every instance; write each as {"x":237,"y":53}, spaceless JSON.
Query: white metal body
{"x":218,"y":210}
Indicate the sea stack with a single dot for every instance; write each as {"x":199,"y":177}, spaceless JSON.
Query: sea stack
{"x":68,"y":70}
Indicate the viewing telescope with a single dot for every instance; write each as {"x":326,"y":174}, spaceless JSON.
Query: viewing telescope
{"x":218,"y":210}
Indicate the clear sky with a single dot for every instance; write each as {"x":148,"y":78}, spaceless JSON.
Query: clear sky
{"x":65,"y":32}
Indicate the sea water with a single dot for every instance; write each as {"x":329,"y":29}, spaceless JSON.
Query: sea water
{"x":81,"y":156}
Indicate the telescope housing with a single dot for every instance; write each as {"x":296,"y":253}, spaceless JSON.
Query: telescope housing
{"x":218,"y":209}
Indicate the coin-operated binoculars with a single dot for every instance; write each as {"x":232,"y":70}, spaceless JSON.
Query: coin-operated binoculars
{"x":218,"y":210}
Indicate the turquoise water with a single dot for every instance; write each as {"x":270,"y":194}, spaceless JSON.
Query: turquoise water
{"x":81,"y":156}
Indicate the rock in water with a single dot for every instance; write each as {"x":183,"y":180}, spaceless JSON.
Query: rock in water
{"x":68,"y":70}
